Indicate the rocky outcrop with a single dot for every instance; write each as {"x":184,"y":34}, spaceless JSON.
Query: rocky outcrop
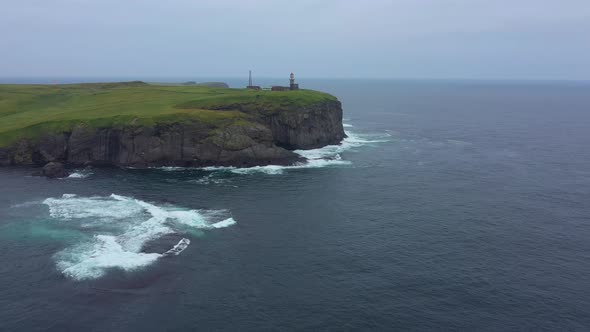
{"x":5,"y":157}
{"x":168,"y":145}
{"x":54,"y":170}
{"x":313,"y":127}
{"x":262,"y":140}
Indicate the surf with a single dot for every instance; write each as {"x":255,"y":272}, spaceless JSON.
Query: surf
{"x":178,"y":248}
{"x":327,"y":156}
{"x":121,"y":226}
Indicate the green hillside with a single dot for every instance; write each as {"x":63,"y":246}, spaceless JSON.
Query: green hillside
{"x":29,"y":110}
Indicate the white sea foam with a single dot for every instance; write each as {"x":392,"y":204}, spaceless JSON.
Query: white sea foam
{"x":346,"y":125}
{"x":224,"y":223}
{"x":332,"y":152}
{"x":315,"y":158}
{"x":208,"y":180}
{"x":269,"y":169}
{"x":178,"y":248}
{"x":79,"y":175}
{"x":70,"y":206}
{"x":172,"y":168}
{"x":218,"y":168}
{"x":138,"y":223}
{"x":92,"y":260}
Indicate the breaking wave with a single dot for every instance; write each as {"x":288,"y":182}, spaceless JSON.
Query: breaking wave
{"x":79,"y":175}
{"x":316,"y":158}
{"x":178,"y":248}
{"x":119,"y":245}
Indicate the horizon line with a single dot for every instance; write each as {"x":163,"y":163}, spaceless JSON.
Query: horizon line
{"x":151,"y":78}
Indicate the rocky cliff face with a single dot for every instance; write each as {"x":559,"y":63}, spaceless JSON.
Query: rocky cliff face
{"x":265,"y":140}
{"x":309,"y":128}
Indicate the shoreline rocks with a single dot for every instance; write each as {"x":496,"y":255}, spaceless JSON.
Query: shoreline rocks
{"x":54,"y":170}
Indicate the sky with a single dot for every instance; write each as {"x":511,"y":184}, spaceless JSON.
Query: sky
{"x":437,"y":39}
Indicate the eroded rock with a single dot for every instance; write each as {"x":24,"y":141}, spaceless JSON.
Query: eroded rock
{"x":54,"y":170}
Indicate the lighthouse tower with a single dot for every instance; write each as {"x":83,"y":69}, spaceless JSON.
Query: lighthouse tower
{"x":292,"y":84}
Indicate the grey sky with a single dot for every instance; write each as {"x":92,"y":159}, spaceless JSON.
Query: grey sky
{"x":531,"y":39}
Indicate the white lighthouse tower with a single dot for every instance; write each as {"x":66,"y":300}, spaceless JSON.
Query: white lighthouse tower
{"x":292,"y":84}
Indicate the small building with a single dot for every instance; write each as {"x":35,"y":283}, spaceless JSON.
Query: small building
{"x":279,"y":88}
{"x":292,"y":85}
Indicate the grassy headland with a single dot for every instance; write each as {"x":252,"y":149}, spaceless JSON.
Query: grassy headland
{"x":26,"y":111}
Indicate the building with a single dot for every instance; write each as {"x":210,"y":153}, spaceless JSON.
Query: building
{"x":279,"y":88}
{"x":292,"y":85}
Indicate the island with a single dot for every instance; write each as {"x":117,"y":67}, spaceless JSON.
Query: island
{"x":135,"y":124}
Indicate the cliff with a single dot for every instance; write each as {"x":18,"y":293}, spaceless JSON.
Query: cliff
{"x":138,"y":125}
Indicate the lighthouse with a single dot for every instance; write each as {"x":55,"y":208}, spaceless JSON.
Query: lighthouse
{"x":292,"y":84}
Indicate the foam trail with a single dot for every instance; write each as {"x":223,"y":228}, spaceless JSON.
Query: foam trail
{"x":69,"y":206}
{"x":178,"y":248}
{"x":25,"y":204}
{"x":209,"y":179}
{"x":118,"y":245}
{"x":224,"y":223}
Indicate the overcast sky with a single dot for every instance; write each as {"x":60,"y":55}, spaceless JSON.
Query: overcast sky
{"x":501,"y":39}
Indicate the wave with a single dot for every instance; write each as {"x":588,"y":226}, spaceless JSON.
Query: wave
{"x":92,"y":260}
{"x":172,"y":168}
{"x":316,"y":158}
{"x":178,"y":248}
{"x":70,"y":206}
{"x":323,"y":157}
{"x":224,"y":223}
{"x":79,"y":175}
{"x":119,"y":245}
{"x":209,"y":179}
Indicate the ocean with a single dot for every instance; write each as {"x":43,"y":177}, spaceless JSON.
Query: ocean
{"x":452,"y":205}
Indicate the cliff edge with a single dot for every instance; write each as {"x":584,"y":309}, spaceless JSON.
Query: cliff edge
{"x":139,"y":125}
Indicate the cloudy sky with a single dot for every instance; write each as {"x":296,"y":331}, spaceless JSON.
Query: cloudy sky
{"x":500,"y":39}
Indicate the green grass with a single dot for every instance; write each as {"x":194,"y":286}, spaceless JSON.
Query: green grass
{"x":258,"y":101}
{"x":26,"y":111}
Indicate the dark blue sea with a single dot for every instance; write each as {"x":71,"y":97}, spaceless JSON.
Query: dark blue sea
{"x":453,"y":205}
